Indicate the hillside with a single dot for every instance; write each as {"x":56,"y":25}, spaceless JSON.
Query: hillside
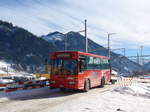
{"x":22,"y":48}
{"x":146,"y":67}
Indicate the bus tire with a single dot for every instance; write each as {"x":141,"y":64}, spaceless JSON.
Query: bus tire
{"x":102,"y":82}
{"x":86,"y":86}
{"x":51,"y":88}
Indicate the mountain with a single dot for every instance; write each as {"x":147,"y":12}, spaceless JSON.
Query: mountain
{"x":22,"y":48}
{"x":146,"y":67}
{"x":55,"y":36}
{"x":26,"y":51}
{"x":74,"y":41}
{"x":57,"y":39}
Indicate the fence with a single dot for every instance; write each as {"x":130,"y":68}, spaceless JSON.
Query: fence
{"x":120,"y":82}
{"x":4,"y":88}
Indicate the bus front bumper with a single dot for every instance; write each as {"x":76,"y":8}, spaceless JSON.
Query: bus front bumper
{"x":68,"y":85}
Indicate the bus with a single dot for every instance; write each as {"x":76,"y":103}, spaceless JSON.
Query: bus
{"x":78,"y":70}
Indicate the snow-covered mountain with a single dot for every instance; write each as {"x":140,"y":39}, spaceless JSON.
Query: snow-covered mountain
{"x":24,"y":49}
{"x":75,"y":41}
{"x":28,"y":52}
{"x":53,"y":37}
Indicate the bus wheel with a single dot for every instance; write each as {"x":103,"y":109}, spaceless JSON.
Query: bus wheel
{"x":62,"y":89}
{"x":86,"y":85}
{"x":102,"y":82}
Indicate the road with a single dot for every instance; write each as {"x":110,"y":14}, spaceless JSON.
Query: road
{"x":45,"y":99}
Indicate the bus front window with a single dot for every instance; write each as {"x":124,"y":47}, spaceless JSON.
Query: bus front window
{"x":64,"y":67}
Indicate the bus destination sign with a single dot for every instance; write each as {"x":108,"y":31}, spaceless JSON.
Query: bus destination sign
{"x":63,"y":55}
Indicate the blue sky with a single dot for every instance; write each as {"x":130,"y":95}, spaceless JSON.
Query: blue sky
{"x":129,"y":19}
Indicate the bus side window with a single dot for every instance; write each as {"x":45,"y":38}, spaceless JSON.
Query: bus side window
{"x":104,"y":64}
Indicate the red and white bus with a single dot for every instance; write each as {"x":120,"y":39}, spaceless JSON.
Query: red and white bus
{"x":78,"y":70}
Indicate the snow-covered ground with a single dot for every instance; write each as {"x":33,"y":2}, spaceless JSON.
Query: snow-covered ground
{"x":126,"y":99}
{"x":135,"y":98}
{"x":5,"y":68}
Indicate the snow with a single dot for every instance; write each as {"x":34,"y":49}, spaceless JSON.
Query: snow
{"x":30,"y":55}
{"x":141,"y":89}
{"x":21,"y":93}
{"x":3,"y":69}
{"x":56,"y":37}
{"x":2,"y":72}
{"x":119,"y":99}
{"x":126,"y":68}
{"x":136,"y":90}
{"x":4,"y":81}
{"x":114,"y":72}
{"x":135,"y":98}
{"x":3,"y":63}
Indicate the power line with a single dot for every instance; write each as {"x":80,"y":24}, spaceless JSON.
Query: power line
{"x":139,"y":56}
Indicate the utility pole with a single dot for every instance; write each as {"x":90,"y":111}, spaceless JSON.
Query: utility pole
{"x":86,"y":40}
{"x":141,"y":55}
{"x":7,"y":70}
{"x":108,"y":45}
{"x":109,"y":55}
{"x":124,"y":50}
{"x":109,"y":52}
{"x":120,"y":63}
{"x":138,"y":58}
{"x":65,"y":42}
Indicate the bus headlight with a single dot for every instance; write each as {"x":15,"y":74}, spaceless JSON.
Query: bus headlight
{"x":71,"y":82}
{"x":70,"y":78}
{"x":53,"y":82}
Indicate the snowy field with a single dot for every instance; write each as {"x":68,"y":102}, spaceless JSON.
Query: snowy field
{"x":126,"y":99}
{"x":135,"y":98}
{"x":5,"y":68}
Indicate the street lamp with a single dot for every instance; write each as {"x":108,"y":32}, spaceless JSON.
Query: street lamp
{"x":109,"y":50}
{"x":142,"y":62}
{"x":85,"y":33}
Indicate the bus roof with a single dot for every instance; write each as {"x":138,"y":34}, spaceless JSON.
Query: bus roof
{"x":83,"y":53}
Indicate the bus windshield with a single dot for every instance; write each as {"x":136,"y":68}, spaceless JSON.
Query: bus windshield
{"x":64,"y":67}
